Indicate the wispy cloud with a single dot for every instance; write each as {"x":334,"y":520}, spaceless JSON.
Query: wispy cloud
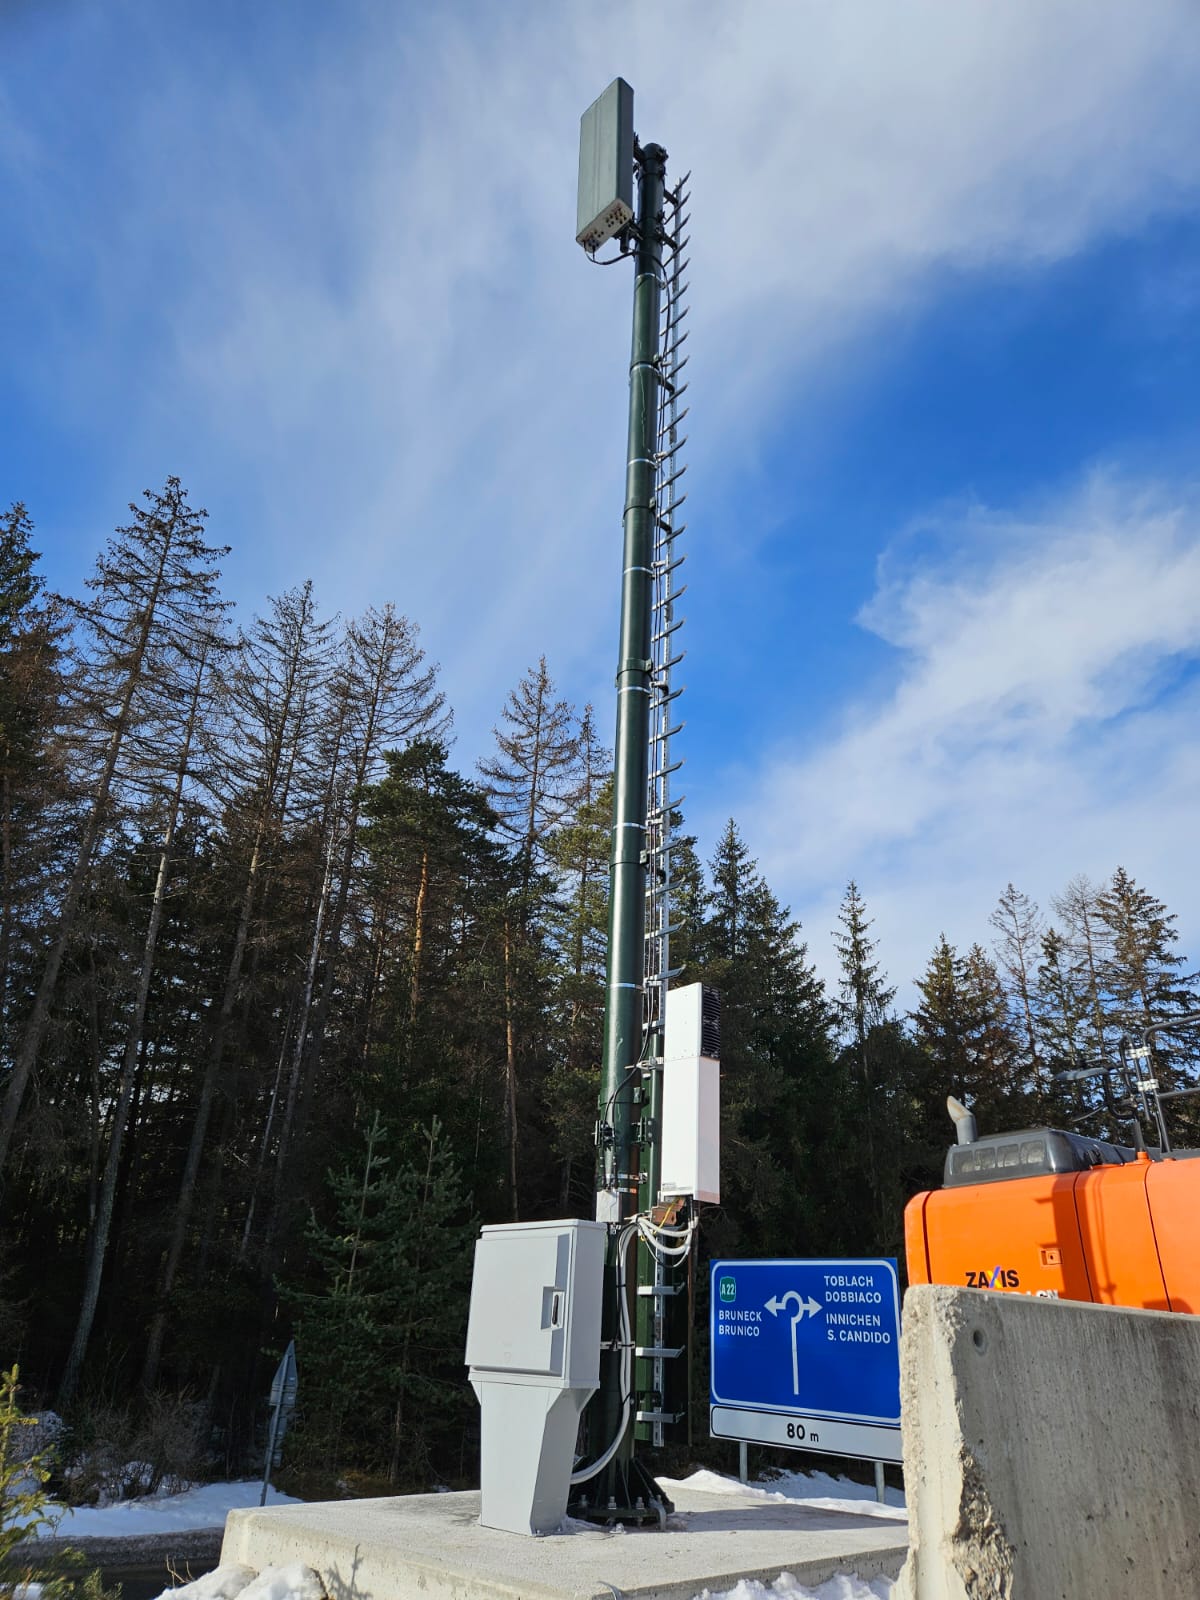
{"x":327,"y":273}
{"x":1041,"y":721}
{"x":345,"y":299}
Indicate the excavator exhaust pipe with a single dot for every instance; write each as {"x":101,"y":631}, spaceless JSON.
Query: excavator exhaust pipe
{"x":964,"y":1121}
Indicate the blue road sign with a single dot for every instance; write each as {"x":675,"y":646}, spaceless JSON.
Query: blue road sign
{"x":795,"y":1342}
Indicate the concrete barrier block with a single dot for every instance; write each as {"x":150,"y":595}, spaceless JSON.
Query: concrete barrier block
{"x":1051,"y":1448}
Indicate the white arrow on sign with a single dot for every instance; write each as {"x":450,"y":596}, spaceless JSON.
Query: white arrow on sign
{"x":804,"y":1308}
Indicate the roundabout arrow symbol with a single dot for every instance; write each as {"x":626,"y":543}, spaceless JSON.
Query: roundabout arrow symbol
{"x":804,"y":1308}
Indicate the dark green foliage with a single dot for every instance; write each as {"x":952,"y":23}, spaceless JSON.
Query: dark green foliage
{"x":776,"y":1060}
{"x":300,"y":937}
{"x":380,"y":1340}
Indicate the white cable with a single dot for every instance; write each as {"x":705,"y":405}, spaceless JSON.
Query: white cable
{"x":652,"y":1233}
{"x":655,"y":1235}
{"x":626,"y":1334}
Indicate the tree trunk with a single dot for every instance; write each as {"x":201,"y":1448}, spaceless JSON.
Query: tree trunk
{"x":102,"y":1224}
{"x":208,"y":1088}
{"x":418,"y":945}
{"x":39,"y":1016}
{"x":510,"y":1064}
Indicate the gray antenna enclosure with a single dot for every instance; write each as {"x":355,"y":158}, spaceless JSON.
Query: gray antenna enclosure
{"x":605,"y":166}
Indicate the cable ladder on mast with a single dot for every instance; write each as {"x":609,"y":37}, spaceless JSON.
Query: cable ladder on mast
{"x":665,"y":625}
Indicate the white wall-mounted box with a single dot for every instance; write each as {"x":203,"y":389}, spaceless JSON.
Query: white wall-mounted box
{"x":535,"y":1301}
{"x":691,"y":1108}
{"x":691,"y":1131}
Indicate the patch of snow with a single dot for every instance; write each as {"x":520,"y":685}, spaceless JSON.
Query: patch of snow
{"x":204,"y":1506}
{"x":222,"y":1583}
{"x":842,"y":1586}
{"x":295,"y":1582}
{"x":814,"y":1488}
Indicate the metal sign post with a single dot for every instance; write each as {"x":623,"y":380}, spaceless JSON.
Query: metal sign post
{"x":806,"y":1356}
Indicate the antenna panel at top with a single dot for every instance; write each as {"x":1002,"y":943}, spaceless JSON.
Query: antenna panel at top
{"x":606,"y":166}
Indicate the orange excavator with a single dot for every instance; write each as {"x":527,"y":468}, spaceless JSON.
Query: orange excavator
{"x":1057,"y":1213}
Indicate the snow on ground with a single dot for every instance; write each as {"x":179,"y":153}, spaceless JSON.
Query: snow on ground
{"x":814,"y":1488}
{"x":843,"y":1586}
{"x":204,"y":1506}
{"x":824,"y":1493}
{"x":295,"y":1582}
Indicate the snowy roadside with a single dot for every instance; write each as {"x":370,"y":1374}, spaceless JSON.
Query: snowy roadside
{"x":204,"y":1506}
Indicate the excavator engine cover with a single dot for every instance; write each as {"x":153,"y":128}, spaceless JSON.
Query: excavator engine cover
{"x":1051,"y":1213}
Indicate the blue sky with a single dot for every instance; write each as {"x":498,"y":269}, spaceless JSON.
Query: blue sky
{"x":944,"y":602}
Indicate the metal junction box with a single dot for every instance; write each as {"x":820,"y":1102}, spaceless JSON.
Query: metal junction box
{"x":533,"y":1349}
{"x":691,"y":1131}
{"x":535,"y":1302}
{"x":605,"y":166}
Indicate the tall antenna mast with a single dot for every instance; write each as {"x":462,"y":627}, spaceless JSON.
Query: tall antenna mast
{"x":634,"y":1380}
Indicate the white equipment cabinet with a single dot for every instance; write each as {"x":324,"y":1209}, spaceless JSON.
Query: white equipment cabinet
{"x":533,"y":1349}
{"x":691,"y":1131}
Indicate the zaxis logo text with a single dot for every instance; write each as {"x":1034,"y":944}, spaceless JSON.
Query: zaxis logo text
{"x":997,"y":1278}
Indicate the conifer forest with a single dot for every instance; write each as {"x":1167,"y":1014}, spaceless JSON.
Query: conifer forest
{"x":295,"y":996}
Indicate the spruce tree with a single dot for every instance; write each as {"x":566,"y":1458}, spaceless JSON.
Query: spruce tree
{"x":874,"y":1054}
{"x":1144,"y":974}
{"x":380,"y":1337}
{"x":529,"y":779}
{"x":578,"y":859}
{"x":1061,"y":1006}
{"x":776,"y":1061}
{"x":528,"y":782}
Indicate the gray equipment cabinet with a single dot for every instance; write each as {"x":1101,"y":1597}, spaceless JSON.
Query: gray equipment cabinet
{"x":533,"y":1349}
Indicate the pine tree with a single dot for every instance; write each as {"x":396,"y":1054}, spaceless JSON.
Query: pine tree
{"x":33,"y":788}
{"x":865,"y":996}
{"x":153,"y":592}
{"x":1087,"y":938}
{"x":183,"y":731}
{"x":382,"y":693}
{"x":1018,"y":923}
{"x":428,"y":832}
{"x":991,"y":1045}
{"x":269,"y":777}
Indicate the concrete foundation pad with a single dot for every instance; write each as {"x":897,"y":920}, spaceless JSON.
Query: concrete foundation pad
{"x":431,"y":1547}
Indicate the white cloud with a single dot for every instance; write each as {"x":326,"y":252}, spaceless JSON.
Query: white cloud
{"x":1041,"y":723}
{"x":346,"y":305}
{"x":379,"y":356}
